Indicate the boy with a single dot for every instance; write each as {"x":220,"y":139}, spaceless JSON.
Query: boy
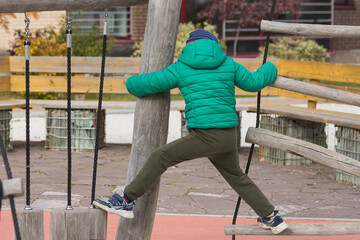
{"x":206,"y":78}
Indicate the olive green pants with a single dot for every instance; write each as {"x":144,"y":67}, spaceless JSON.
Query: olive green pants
{"x":219,"y":146}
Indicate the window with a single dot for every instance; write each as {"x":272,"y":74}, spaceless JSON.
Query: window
{"x":343,"y":4}
{"x":119,"y":22}
{"x":250,"y":38}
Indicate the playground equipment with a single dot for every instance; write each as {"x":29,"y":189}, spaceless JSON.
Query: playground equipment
{"x":295,"y":146}
{"x":158,"y":48}
{"x":159,"y":44}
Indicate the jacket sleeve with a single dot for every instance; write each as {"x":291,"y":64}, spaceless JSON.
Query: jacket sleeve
{"x":154,"y":82}
{"x":255,"y":81}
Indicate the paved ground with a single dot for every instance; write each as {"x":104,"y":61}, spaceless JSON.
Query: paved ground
{"x":193,"y":187}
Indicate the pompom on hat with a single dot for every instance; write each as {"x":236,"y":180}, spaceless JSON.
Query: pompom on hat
{"x":201,"y":34}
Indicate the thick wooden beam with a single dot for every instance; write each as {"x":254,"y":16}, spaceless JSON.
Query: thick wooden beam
{"x":13,"y":187}
{"x":31,"y":224}
{"x":349,"y":120}
{"x":69,"y":224}
{"x":98,"y":224}
{"x":304,"y":149}
{"x":322,"y":30}
{"x":16,"y":6}
{"x":336,"y":72}
{"x":299,"y":229}
{"x":151,"y":113}
{"x":316,"y":91}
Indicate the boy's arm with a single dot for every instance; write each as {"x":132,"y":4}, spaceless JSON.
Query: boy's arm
{"x":255,"y":81}
{"x":154,"y":82}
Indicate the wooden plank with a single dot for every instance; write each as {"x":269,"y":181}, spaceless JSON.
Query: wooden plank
{"x":316,"y":91}
{"x":82,"y":84}
{"x":4,"y":64}
{"x":114,"y":65}
{"x":69,"y":224}
{"x":337,"y":72}
{"x":13,"y":187}
{"x":299,"y":229}
{"x":98,"y":224}
{"x":253,"y":64}
{"x":4,"y":83}
{"x":337,"y":31}
{"x":10,"y":107}
{"x":314,"y":115}
{"x":18,"y":6}
{"x":79,"y":84}
{"x":31,"y":224}
{"x":303,"y":149}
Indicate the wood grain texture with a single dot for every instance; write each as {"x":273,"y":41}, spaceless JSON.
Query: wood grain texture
{"x":336,"y":72}
{"x":79,"y":84}
{"x":98,"y":224}
{"x":4,"y":83}
{"x":114,"y":65}
{"x":31,"y":224}
{"x":4,"y":64}
{"x":314,"y":115}
{"x":151,"y":113}
{"x":19,"y":6}
{"x":304,"y":149}
{"x":299,"y":229}
{"x":336,"y":31}
{"x":13,"y":187}
{"x":316,"y":91}
{"x":69,"y":224}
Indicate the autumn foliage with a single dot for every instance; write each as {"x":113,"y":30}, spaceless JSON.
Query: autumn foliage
{"x":248,"y":12}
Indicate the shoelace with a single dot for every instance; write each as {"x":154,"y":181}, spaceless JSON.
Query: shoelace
{"x":115,"y":201}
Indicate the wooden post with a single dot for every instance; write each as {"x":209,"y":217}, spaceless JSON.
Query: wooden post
{"x":312,"y":104}
{"x":151,"y":113}
{"x":316,"y":91}
{"x":304,"y":149}
{"x":13,"y":187}
{"x":299,"y":229}
{"x":31,"y":224}
{"x":19,"y":6}
{"x":98,"y":224}
{"x":311,"y":29}
{"x":69,"y":224}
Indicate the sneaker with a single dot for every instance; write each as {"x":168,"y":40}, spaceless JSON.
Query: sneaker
{"x":275,"y":223}
{"x":115,"y":204}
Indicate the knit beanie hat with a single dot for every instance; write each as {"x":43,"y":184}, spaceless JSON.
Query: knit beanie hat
{"x":201,"y":34}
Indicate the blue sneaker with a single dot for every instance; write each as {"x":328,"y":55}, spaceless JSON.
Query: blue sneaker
{"x":115,"y":204}
{"x":275,"y":223}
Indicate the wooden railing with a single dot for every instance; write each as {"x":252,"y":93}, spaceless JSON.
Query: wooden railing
{"x":86,"y":71}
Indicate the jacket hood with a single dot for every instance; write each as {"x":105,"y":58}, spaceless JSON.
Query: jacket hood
{"x":202,"y":54}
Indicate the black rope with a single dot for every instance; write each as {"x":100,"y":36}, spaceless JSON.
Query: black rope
{"x":69,"y":123}
{"x":257,"y":115}
{"x":27,"y":97}
{"x":11,"y":198}
{"x":99,"y":117}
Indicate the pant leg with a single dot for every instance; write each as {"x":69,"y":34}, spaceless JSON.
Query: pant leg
{"x":228,"y":165}
{"x":198,"y":143}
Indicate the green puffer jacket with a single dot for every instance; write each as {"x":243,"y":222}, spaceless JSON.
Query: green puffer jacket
{"x":206,"y":78}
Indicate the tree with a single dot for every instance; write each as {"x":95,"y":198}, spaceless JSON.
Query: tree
{"x":248,"y":12}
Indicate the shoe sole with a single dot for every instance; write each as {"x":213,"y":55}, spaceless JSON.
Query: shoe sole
{"x":122,"y":213}
{"x":276,"y":230}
